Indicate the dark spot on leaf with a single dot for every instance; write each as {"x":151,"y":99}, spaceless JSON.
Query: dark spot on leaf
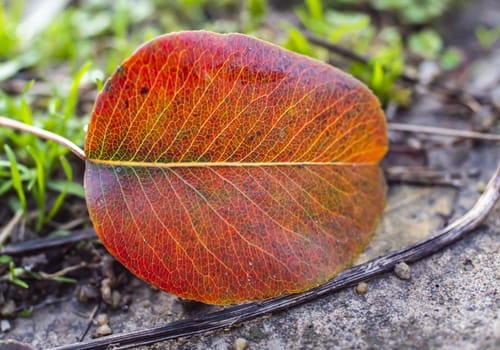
{"x":120,"y":69}
{"x":126,"y":103}
{"x":144,"y":90}
{"x":107,"y":86}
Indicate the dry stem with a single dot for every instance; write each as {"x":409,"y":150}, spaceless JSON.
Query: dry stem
{"x":44,"y":134}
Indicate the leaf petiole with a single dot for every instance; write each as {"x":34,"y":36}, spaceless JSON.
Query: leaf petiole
{"x":44,"y":134}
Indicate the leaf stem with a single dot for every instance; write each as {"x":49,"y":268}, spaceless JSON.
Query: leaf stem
{"x":240,"y":313}
{"x":44,"y":134}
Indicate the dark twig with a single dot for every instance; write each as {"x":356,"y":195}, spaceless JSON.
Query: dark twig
{"x":340,"y":50}
{"x":350,"y":55}
{"x":89,"y":323}
{"x":240,"y":313}
{"x":46,"y":243}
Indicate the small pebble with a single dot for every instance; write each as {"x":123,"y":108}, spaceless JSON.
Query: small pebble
{"x":8,"y":309}
{"x":362,"y":288}
{"x":428,"y":71}
{"x":4,"y":326}
{"x":473,"y":172}
{"x":146,"y":304}
{"x":86,"y":293}
{"x":106,"y":290}
{"x":102,"y":319}
{"x":468,"y":265}
{"x":481,"y":186}
{"x":402,"y":270}
{"x":102,"y":331}
{"x":414,"y":143}
{"x":116,"y":299}
{"x":240,"y":344}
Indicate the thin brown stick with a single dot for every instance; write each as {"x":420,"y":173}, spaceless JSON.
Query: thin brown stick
{"x":44,"y":134}
{"x":434,"y":130}
{"x":241,"y":313}
{"x":7,"y":230}
{"x":349,"y":54}
{"x":89,"y":322}
{"x":35,"y":245}
{"x":64,"y":271}
{"x":422,"y":176}
{"x":340,"y":50}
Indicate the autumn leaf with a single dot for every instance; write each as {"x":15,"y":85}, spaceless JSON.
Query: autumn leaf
{"x":223,"y":168}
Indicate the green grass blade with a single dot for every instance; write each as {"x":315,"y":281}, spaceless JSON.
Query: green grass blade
{"x":60,"y":198}
{"x":16,"y":177}
{"x":69,"y":109}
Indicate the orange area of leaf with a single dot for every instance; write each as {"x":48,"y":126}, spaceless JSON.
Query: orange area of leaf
{"x":223,"y":168}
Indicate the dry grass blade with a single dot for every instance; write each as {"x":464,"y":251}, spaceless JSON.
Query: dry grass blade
{"x":7,"y":230}
{"x":433,"y":130}
{"x":422,"y":176}
{"x":240,"y":313}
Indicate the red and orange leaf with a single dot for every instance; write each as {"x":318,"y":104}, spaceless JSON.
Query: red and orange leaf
{"x":223,"y":168}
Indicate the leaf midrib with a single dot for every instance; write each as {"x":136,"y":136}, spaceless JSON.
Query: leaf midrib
{"x":217,"y":164}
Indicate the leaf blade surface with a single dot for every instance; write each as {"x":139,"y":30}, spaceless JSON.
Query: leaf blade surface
{"x":222,"y":168}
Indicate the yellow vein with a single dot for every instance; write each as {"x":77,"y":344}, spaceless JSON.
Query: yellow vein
{"x":258,"y":248}
{"x":259,"y":208}
{"x":285,"y":208}
{"x":227,"y":125}
{"x":280,"y":117}
{"x":319,"y":136}
{"x":216,"y":212}
{"x":321,"y":229}
{"x":132,"y":216}
{"x":221,"y":102}
{"x":130,"y":126}
{"x":304,"y":125}
{"x":109,"y":118}
{"x":209,"y":85}
{"x":165,"y":109}
{"x":257,"y":119}
{"x":366,"y":137}
{"x":343,"y":176}
{"x":217,"y":164}
{"x":111,"y":220}
{"x":179,"y":245}
{"x":347,"y":193}
{"x":350,"y":190}
{"x":235,"y":250}
{"x":203,"y":244}
{"x":158,"y":118}
{"x":339,"y":137}
{"x":335,"y":213}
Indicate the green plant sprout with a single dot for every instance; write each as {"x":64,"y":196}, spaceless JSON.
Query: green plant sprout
{"x":487,"y":37}
{"x":41,"y":158}
{"x":17,"y":275}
